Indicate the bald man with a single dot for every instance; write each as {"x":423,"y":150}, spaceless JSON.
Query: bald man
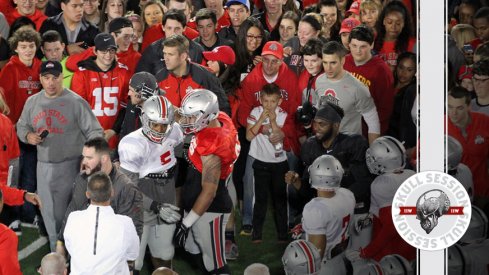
{"x":53,"y":264}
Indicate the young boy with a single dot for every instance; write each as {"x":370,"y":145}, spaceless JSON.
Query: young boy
{"x":270,"y":163}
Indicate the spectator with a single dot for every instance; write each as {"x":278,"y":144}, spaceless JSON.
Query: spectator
{"x":347,"y":26}
{"x":369,"y":12}
{"x":466,"y":11}
{"x":127,"y":199}
{"x":482,"y":52}
{"x":9,"y":156}
{"x":187,"y":74}
{"x":222,"y":15}
{"x":91,"y":12}
{"x":76,"y":31}
{"x":8,"y":248}
{"x":464,"y":78}
{"x":188,"y":9}
{"x":111,"y":9}
{"x":470,"y":129}
{"x":147,"y":156}
{"x":331,"y":13}
{"x":53,"y":264}
{"x":116,"y":242}
{"x":270,"y":164}
{"x":68,"y":121}
{"x":394,"y":32}
{"x":354,"y":11}
{"x":270,"y":17}
{"x":372,"y":71}
{"x":288,"y":27}
{"x":480,"y":79}
{"x":137,"y":26}
{"x":152,"y":59}
{"x":4,"y":26}
{"x":20,"y":22}
{"x":463,"y":34}
{"x":107,"y":97}
{"x":219,"y":60}
{"x":27,"y":9}
{"x":341,"y":88}
{"x":53,"y":48}
{"x":326,"y":219}
{"x":206,"y":26}
{"x":238,"y":11}
{"x":153,"y":12}
{"x":207,"y":203}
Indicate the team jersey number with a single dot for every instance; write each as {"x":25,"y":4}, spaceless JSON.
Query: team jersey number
{"x":165,"y":158}
{"x":344,"y":228}
{"x":106,"y":101}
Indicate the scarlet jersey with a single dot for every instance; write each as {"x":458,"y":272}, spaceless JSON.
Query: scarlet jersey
{"x":105,"y":92}
{"x":330,"y":217}
{"x":140,"y":155}
{"x":221,"y":141}
{"x":9,"y":146}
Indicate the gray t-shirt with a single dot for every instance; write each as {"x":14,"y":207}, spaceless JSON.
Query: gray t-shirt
{"x":348,"y":93}
{"x":476,"y":107}
{"x":69,"y":120}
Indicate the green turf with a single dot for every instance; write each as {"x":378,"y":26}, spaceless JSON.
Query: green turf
{"x":269,"y":252}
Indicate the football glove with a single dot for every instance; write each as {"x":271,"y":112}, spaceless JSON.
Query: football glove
{"x":169,"y":213}
{"x":180,"y":235}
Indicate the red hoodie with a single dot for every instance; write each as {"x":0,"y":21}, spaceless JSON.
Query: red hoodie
{"x":291,"y":98}
{"x":9,"y":145}
{"x":156,"y":32}
{"x":130,"y":58}
{"x":19,"y":83}
{"x":37,"y":17}
{"x":378,"y":77}
{"x":8,"y":252}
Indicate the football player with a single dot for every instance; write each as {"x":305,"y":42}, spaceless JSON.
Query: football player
{"x":326,"y":218}
{"x":147,"y":156}
{"x":213,"y":150}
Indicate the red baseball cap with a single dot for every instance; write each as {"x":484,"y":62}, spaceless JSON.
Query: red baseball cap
{"x":225,"y":54}
{"x":274,"y":48}
{"x":354,"y":8}
{"x":349,"y":24}
{"x":465,"y":72}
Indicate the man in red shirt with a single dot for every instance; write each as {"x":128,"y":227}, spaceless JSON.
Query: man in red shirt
{"x":371,"y":71}
{"x":222,"y":15}
{"x":103,"y":83}
{"x":27,"y":9}
{"x":470,"y":129}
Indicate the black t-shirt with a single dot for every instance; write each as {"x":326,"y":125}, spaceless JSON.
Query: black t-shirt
{"x":4,"y":49}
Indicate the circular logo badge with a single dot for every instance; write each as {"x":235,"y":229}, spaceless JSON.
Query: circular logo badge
{"x":431,"y":210}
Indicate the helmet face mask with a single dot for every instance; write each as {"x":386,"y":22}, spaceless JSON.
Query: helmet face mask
{"x":326,"y":173}
{"x":157,"y":112}
{"x":199,"y":108}
{"x":385,"y":155}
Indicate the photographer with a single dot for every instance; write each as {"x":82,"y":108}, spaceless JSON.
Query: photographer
{"x":312,"y":56}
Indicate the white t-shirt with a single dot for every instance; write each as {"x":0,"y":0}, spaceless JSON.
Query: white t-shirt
{"x":261,"y":148}
{"x":138,"y":154}
{"x":330,"y":217}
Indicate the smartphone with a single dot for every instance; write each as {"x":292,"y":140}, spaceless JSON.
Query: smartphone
{"x":468,"y":48}
{"x":44,"y":134}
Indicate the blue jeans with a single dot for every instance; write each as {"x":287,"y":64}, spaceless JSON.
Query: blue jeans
{"x":248,"y":192}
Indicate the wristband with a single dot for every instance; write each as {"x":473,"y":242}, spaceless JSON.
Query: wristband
{"x":190,"y":219}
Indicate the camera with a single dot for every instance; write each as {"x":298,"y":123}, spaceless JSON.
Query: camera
{"x":306,"y":113}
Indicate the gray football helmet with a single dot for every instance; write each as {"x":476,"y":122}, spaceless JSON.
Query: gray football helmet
{"x":458,"y":261}
{"x":157,"y":110}
{"x":477,"y":230}
{"x":325,"y":173}
{"x":454,"y":151}
{"x":198,"y":108}
{"x":301,"y":257}
{"x":396,"y":265}
{"x":367,"y":267}
{"x":145,"y":85}
{"x":386,"y":154}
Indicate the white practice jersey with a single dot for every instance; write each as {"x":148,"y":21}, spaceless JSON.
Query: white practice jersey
{"x":384,"y":187}
{"x":138,"y":154}
{"x":330,"y":217}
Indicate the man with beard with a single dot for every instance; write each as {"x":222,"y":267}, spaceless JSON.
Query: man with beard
{"x":127,"y":199}
{"x":348,"y":149}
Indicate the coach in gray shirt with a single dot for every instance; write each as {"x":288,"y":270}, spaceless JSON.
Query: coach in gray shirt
{"x":58,"y":122}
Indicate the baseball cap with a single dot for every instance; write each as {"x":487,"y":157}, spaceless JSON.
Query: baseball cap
{"x":354,"y":8}
{"x":119,"y":23}
{"x":465,"y":72}
{"x":274,"y":48}
{"x":349,"y":24}
{"x":245,"y":3}
{"x":51,"y":67}
{"x":225,"y":54}
{"x":104,"y":41}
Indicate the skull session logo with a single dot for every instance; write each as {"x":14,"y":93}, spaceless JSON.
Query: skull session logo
{"x":431,"y":210}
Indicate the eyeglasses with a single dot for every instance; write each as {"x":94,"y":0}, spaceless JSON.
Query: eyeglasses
{"x":250,"y":37}
{"x":480,"y":79}
{"x":110,"y":51}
